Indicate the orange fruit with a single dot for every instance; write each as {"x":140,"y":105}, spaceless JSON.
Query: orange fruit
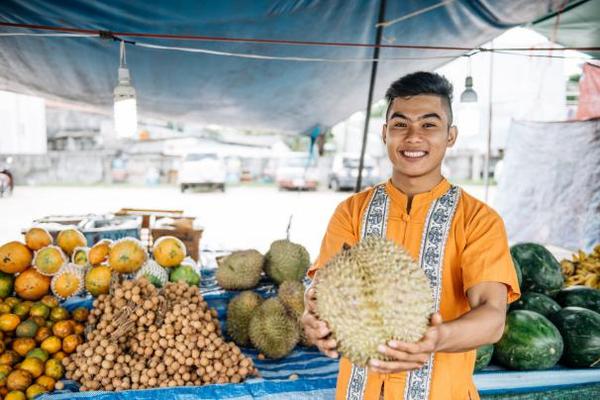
{"x":15,"y":257}
{"x":80,"y":314}
{"x":67,"y":283}
{"x":169,"y":251}
{"x":33,"y":365}
{"x":49,"y":260}
{"x":18,"y":380}
{"x":127,"y":256}
{"x":79,"y":329}
{"x":23,"y":346}
{"x":97,"y":280}
{"x":70,"y":343}
{"x":9,"y":322}
{"x":54,"y":369}
{"x":51,"y":344}
{"x":50,"y":301}
{"x":15,"y":395}
{"x":99,"y":252}
{"x":9,"y":357}
{"x":46,"y":382}
{"x":69,"y":239}
{"x":31,"y":285}
{"x":59,"y":355}
{"x":62,"y":329}
{"x":42,"y":334}
{"x":35,"y":390}
{"x":37,"y":237}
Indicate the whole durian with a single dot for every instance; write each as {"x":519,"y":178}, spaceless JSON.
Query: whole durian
{"x":286,"y":261}
{"x":291,"y":295}
{"x":239,"y":313}
{"x":240,"y":270}
{"x":272,"y":331}
{"x":370,"y":294}
{"x":152,"y":271}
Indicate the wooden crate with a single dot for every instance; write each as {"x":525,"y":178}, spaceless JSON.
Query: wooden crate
{"x":182,"y":228}
{"x":149,"y":216}
{"x":189,"y":237}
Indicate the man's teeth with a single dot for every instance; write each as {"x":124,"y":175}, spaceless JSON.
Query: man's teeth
{"x":413,"y":154}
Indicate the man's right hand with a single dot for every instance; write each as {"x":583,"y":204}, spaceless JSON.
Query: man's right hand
{"x":317,"y":332}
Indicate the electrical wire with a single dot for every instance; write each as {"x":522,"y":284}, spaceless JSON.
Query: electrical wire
{"x":270,"y":41}
{"x":506,"y":51}
{"x":385,"y":24}
{"x":288,"y":58}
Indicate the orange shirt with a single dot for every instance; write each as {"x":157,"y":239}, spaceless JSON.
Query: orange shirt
{"x":476,"y":251}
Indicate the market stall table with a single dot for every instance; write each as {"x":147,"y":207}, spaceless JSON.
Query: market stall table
{"x":307,"y":374}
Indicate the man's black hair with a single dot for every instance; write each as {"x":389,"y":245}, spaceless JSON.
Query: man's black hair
{"x":421,"y":83}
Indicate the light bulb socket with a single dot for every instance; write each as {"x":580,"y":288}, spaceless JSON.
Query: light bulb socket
{"x":469,"y":82}
{"x":469,"y":95}
{"x":124,"y":76}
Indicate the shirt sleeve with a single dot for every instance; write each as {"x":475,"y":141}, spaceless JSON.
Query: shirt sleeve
{"x":486,"y":257}
{"x":340,"y":231}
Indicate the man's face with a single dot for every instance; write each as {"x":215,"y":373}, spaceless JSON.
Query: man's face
{"x":417,"y":134}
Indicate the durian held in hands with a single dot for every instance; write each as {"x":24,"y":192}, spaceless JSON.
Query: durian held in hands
{"x":370,"y":294}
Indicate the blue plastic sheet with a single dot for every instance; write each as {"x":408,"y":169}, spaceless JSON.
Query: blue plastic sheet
{"x":316,"y":374}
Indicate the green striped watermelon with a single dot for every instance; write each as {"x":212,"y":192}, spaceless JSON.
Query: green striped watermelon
{"x":540,"y":303}
{"x":484,"y":356}
{"x":530,"y":341}
{"x":580,"y":329}
{"x":580,"y":296}
{"x":541,"y":271}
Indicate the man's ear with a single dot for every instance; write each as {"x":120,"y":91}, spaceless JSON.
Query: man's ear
{"x":383,"y":130}
{"x":452,"y":135}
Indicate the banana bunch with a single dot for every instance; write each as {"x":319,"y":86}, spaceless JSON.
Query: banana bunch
{"x":584,"y":269}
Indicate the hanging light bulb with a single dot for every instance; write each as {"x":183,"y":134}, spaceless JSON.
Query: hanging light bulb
{"x":125,"y":111}
{"x":469,"y":95}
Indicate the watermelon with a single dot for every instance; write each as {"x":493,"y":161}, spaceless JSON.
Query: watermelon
{"x":580,"y":329}
{"x":530,"y":341}
{"x":540,"y":303}
{"x":484,"y":356}
{"x":580,"y":296}
{"x":541,"y":271}
{"x":518,"y":270}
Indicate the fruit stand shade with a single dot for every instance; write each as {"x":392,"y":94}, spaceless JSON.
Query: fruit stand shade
{"x":280,"y":95}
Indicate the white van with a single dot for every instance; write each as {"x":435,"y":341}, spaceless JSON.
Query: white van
{"x":202,"y":170}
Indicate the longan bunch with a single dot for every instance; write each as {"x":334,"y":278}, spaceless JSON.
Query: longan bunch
{"x":143,"y":338}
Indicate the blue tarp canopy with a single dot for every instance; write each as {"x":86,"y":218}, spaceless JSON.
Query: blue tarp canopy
{"x":282,"y":95}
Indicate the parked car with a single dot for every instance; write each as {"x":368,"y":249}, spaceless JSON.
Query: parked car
{"x":202,"y":170}
{"x":297,"y":172}
{"x":6,"y":183}
{"x":344,"y":172}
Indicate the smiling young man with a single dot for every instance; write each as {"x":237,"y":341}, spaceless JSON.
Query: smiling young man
{"x":459,"y":242}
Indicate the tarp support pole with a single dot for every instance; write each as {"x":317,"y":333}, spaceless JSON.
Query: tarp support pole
{"x":488,"y":150}
{"x":380,"y":20}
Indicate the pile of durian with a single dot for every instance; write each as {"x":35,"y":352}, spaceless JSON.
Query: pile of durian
{"x":583,"y":269}
{"x":271,"y":325}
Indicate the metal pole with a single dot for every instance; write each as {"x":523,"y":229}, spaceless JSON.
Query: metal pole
{"x":370,"y":96}
{"x":486,"y":167}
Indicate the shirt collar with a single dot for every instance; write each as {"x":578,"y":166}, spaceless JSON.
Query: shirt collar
{"x":419,"y":200}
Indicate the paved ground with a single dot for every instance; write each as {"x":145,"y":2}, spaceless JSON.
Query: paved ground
{"x":242,"y":217}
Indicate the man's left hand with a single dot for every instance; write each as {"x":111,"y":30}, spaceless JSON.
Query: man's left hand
{"x":409,"y":356}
